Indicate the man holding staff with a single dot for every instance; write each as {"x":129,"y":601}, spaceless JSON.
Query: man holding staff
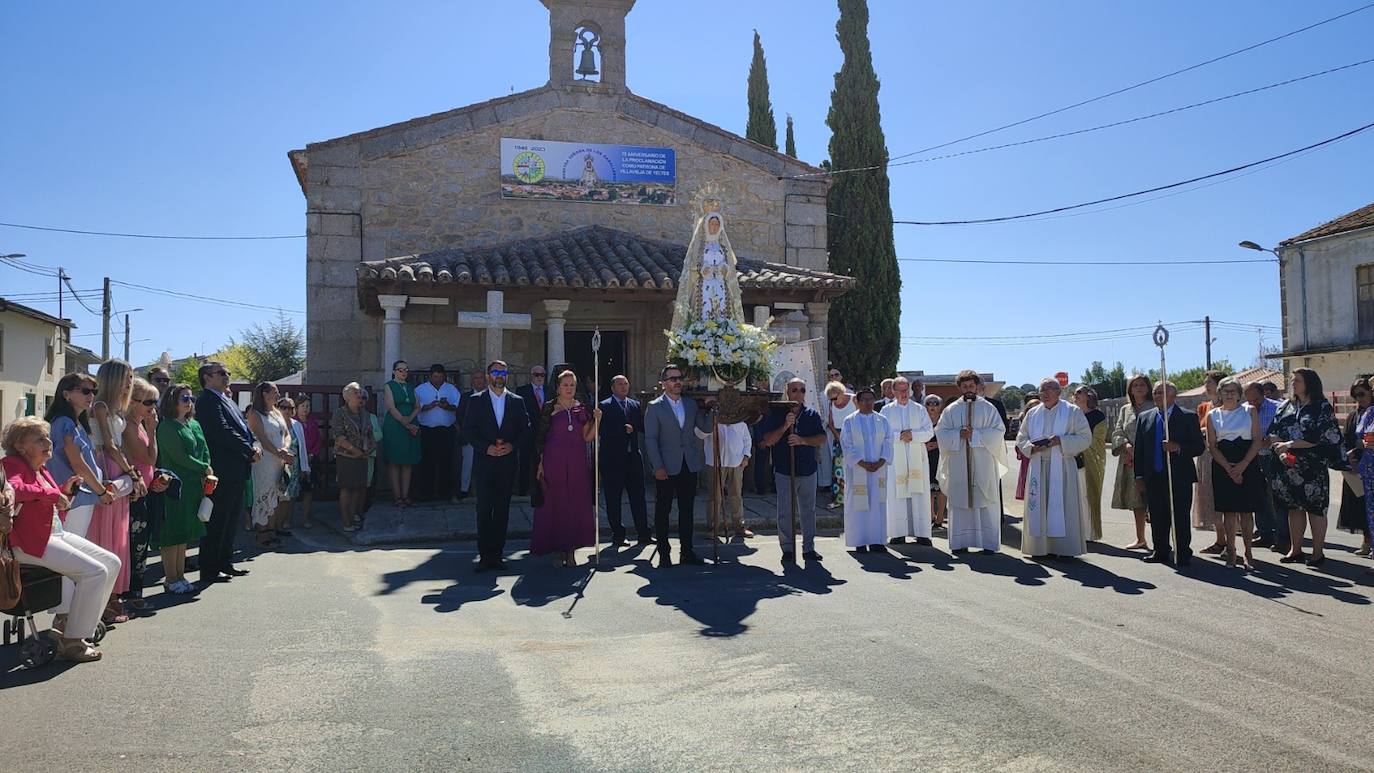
{"x":794,"y":469}
{"x":1153,"y":472}
{"x":972,"y":462}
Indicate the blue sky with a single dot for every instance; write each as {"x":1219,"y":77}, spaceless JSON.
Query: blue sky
{"x":176,"y":118}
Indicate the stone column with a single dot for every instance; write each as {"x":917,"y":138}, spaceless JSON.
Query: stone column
{"x":761,"y":315}
{"x":557,"y":325}
{"x":819,"y":314}
{"x":391,"y":329}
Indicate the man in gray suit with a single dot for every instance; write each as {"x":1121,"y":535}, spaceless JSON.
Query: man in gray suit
{"x":676,"y":456}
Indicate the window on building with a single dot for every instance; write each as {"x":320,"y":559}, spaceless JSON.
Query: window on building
{"x":52,"y":356}
{"x":30,"y":404}
{"x":2,"y":347}
{"x":1364,"y":302}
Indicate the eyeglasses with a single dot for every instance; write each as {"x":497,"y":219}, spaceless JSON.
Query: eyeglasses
{"x":186,"y":399}
{"x":220,"y":373}
{"x":402,"y":369}
{"x":149,"y":403}
{"x":89,"y":392}
{"x":500,"y":373}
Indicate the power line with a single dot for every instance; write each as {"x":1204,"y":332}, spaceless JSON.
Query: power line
{"x":1134,"y":86}
{"x":206,"y":299}
{"x":1142,"y":335}
{"x":1126,"y":121}
{"x":1134,"y":194}
{"x":148,"y":236}
{"x":68,"y":282}
{"x":1098,"y":263}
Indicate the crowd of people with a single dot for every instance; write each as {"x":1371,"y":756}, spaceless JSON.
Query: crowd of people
{"x":121,"y":466}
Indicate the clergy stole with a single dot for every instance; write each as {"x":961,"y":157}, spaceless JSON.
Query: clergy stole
{"x":1045,"y":493}
{"x":906,"y":465}
{"x":856,"y":486}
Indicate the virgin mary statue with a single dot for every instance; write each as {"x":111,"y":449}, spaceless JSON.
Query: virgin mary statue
{"x":708,"y":288}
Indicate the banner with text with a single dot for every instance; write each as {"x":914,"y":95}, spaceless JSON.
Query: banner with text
{"x":572,"y":171}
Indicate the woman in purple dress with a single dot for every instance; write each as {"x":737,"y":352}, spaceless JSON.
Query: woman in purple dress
{"x":563,"y":522}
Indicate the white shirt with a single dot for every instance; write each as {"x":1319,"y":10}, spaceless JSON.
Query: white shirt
{"x":735,"y":444}
{"x":498,"y":406}
{"x":1230,"y":425}
{"x":678,"y":411}
{"x":427,"y":393}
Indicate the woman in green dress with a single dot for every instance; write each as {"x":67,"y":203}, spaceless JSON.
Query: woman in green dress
{"x":400,"y":432}
{"x":1093,"y":461}
{"x":181,"y":449}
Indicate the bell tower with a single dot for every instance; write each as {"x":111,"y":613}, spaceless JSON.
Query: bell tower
{"x":587,"y":42}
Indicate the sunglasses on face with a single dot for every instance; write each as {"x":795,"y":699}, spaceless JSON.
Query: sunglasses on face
{"x":149,"y":403}
{"x":497,"y":373}
{"x":88,"y":391}
{"x":403,"y":370}
{"x":220,"y":373}
{"x":162,"y":381}
{"x":186,"y":399}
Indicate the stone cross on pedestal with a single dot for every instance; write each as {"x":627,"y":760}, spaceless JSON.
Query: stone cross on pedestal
{"x":495,"y":321}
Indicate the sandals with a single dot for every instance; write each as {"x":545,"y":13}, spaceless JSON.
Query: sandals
{"x":77,"y":651}
{"x":266,"y":538}
{"x":114,"y":614}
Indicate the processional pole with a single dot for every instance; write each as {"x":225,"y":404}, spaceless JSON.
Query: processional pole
{"x":1161,"y":338}
{"x":596,"y":402}
{"x":719,"y":486}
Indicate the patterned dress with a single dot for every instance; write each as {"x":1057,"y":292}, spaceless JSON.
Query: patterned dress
{"x":1306,"y":485}
{"x":1125,"y":496}
{"x":837,"y":417}
{"x":1205,"y":514}
{"x":1366,"y":466}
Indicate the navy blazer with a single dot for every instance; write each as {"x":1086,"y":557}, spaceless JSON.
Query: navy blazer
{"x":617,"y":445}
{"x":226,"y":434}
{"x":480,"y":430}
{"x":1184,"y":429}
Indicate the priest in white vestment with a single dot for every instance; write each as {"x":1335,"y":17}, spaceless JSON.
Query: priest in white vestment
{"x":1052,"y":434}
{"x":908,"y":484}
{"x":867,"y":443}
{"x":971,"y":431}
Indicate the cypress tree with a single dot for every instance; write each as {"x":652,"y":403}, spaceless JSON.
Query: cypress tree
{"x":864,"y":324}
{"x":791,"y":144}
{"x":761,"y":127}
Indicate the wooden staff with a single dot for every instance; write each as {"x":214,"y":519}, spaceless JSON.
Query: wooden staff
{"x":968,"y":449}
{"x":719,"y":503}
{"x":596,"y":443}
{"x":792,"y":477}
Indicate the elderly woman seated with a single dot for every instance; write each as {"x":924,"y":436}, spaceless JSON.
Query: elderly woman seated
{"x":40,"y":506}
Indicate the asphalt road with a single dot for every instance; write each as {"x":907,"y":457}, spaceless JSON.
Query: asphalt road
{"x":328,"y":657}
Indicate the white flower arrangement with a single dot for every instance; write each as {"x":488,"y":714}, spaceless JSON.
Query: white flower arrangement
{"x":723,"y":347}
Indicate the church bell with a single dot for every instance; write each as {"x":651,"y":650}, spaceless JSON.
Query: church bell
{"x":586,"y":66}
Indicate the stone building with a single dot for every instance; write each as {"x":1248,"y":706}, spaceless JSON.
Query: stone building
{"x":32,"y":357}
{"x":1326,"y":286}
{"x":414,"y":252}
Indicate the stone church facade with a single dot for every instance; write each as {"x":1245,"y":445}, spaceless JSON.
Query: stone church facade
{"x":412,"y":252}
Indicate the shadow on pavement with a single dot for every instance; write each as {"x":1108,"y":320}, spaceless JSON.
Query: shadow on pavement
{"x":1286,"y":581}
{"x":722,"y":596}
{"x":1025,"y":573}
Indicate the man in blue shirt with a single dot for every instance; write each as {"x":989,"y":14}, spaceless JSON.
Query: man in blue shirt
{"x":800,"y":432}
{"x":1268,"y":531}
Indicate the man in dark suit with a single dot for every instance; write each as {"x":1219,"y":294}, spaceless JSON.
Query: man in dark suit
{"x":534,"y":396}
{"x":496,"y":424}
{"x":622,"y":467}
{"x":676,"y":455}
{"x":1152,"y":476}
{"x":232,"y":453}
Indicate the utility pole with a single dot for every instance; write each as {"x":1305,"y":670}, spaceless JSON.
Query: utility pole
{"x":126,"y":337}
{"x":60,"y":276}
{"x":1207,"y":336}
{"x":105,"y":322}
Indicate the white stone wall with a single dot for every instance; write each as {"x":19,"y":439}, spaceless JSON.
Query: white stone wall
{"x":23,"y":369}
{"x":1330,"y":289}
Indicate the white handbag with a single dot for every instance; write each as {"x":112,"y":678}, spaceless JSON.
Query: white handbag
{"x":206,"y":507}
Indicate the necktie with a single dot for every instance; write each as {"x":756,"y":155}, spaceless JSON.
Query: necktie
{"x":1159,"y":440}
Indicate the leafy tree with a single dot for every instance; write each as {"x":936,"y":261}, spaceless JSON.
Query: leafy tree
{"x":761,"y":127}
{"x":864,"y":323}
{"x":1191,"y":378}
{"x":1109,"y":383}
{"x":269,"y":352}
{"x":1012,"y":398}
{"x":790,"y":146}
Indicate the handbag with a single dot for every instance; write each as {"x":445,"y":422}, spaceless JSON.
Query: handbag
{"x":207,"y":507}
{"x":10,"y":585}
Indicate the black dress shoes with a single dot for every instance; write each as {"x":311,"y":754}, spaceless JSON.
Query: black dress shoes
{"x":646,"y":541}
{"x":690,"y":559}
{"x":235,"y":572}
{"x":959,"y":551}
{"x":1156,"y":558}
{"x":924,"y":541}
{"x":789,"y":558}
{"x":620,"y":542}
{"x":861,"y":549}
{"x":664,"y":560}
{"x":897,"y":541}
{"x":810,"y":555}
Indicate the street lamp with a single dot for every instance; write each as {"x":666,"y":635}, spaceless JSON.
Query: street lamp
{"x":13,"y":255}
{"x":1249,"y":245}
